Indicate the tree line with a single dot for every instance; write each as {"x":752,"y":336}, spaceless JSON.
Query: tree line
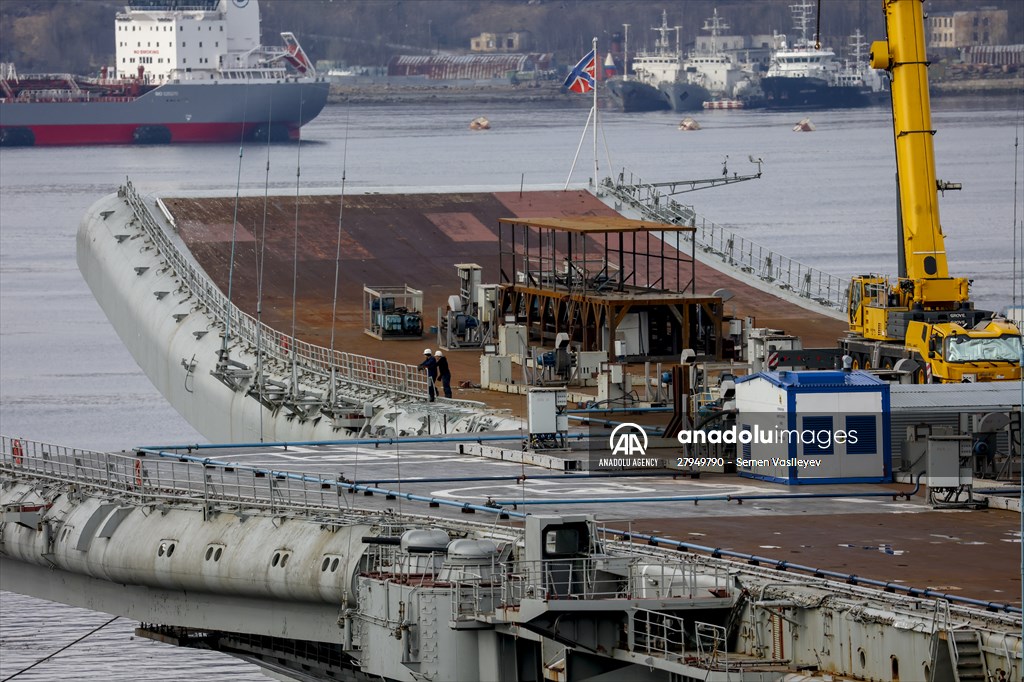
{"x":78,"y":35}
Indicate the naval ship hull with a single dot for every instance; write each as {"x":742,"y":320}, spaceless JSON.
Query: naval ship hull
{"x":814,"y":93}
{"x":634,"y":96}
{"x":685,"y":96}
{"x":216,"y":111}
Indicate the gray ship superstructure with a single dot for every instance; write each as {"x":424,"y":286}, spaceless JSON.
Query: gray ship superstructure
{"x":282,"y":568}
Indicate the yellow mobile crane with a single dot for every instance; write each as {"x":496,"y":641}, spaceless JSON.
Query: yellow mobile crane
{"x":924,"y":321}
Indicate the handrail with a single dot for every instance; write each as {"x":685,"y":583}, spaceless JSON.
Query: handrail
{"x":657,"y":633}
{"x":150,"y":480}
{"x":735,"y":251}
{"x":318,"y":361}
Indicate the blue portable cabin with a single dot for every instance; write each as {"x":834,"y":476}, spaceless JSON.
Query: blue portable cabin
{"x":813,"y":427}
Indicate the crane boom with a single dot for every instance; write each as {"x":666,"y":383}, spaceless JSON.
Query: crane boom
{"x":924,"y":321}
{"x":903,"y":55}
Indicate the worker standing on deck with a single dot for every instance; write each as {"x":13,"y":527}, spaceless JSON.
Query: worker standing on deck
{"x":430,"y":365}
{"x":443,"y":373}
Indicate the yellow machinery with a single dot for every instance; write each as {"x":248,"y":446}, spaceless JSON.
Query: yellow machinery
{"x":924,"y":321}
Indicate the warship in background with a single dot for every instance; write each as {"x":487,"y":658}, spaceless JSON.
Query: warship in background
{"x":185,"y":72}
{"x":804,"y":75}
{"x":709,"y":78}
{"x":660,"y":82}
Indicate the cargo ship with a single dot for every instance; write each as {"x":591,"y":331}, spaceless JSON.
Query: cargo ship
{"x":183,"y":73}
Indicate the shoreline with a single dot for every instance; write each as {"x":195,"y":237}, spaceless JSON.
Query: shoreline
{"x":551,"y":94}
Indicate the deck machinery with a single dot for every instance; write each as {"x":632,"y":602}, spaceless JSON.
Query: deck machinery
{"x":924,"y":321}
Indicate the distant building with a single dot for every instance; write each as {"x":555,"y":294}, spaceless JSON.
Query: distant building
{"x":967,"y":28}
{"x":515,"y":41}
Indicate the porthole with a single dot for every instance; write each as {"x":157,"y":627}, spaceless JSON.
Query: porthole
{"x":334,"y":565}
{"x":216,"y":555}
{"x":162,"y":550}
{"x":863,"y":658}
{"x":326,"y":563}
{"x":284,"y":559}
{"x":170,"y":550}
{"x":209,"y":553}
{"x":276,"y":559}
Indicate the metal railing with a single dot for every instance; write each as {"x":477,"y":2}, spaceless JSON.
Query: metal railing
{"x":153,"y":480}
{"x":712,"y":647}
{"x":319,"y":362}
{"x":608,"y":577}
{"x":734,"y":250}
{"x":659,"y":634}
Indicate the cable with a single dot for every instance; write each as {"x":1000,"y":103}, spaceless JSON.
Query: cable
{"x":817,"y":29}
{"x":63,"y":648}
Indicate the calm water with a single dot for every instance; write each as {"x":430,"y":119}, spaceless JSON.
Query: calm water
{"x":827,"y":198}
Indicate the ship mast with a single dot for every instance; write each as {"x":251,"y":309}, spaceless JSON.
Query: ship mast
{"x":716,"y":25}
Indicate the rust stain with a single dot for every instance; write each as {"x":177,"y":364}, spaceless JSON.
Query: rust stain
{"x":412,"y":239}
{"x":462,"y":227}
{"x":927,"y":551}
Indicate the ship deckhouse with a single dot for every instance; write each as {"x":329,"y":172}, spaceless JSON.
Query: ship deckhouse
{"x":168,"y":40}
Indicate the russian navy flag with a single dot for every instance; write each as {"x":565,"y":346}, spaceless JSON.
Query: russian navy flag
{"x":583,"y":76}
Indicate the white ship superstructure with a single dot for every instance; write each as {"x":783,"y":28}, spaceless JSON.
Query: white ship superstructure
{"x":201,"y":40}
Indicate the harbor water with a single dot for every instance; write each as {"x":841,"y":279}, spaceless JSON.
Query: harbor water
{"x":826,"y":198}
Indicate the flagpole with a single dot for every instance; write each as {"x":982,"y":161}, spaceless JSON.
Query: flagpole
{"x":597,"y":70}
{"x":583,"y":77}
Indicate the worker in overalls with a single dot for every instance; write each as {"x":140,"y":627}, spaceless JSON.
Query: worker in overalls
{"x":444,"y":373}
{"x":430,"y":365}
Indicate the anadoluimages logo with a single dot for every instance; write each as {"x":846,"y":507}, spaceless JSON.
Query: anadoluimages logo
{"x":628,"y":440}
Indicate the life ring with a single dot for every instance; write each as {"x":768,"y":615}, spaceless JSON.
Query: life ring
{"x":138,"y":472}
{"x":17,"y":451}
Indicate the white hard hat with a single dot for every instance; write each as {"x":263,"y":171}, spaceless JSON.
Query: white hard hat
{"x":426,"y":351}
{"x":439,"y":354}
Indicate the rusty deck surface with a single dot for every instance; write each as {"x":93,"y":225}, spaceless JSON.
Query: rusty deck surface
{"x":973,"y":554}
{"x":396,"y":239}
{"x":415,"y":239}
